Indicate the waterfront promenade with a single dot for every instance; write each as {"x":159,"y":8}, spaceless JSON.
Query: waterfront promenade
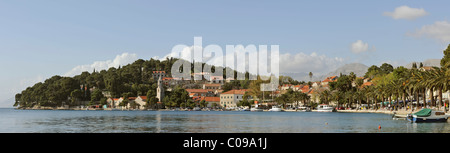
{"x":384,"y":111}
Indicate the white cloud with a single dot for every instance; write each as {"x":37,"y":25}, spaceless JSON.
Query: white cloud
{"x":440,"y":31}
{"x":288,"y":63}
{"x":406,"y":12}
{"x":120,"y":60}
{"x":359,"y":46}
{"x":301,"y":62}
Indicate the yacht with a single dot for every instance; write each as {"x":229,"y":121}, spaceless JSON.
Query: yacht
{"x":325,"y":108}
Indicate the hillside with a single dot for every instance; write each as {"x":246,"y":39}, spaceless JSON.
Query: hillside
{"x":357,"y":68}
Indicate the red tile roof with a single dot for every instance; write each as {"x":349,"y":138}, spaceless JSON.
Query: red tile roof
{"x":167,"y":78}
{"x":211,"y":99}
{"x":143,"y":97}
{"x":197,"y":90}
{"x":240,"y":92}
{"x":213,"y":85}
{"x":330,"y":79}
{"x":367,"y":84}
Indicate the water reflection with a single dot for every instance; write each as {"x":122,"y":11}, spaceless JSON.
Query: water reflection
{"x":158,"y":122}
{"x":428,"y":127}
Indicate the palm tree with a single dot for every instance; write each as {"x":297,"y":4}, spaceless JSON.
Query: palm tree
{"x":359,"y":95}
{"x":296,"y":97}
{"x":428,"y":83}
{"x":403,"y":88}
{"x":283,"y":99}
{"x":367,"y":93}
{"x":440,"y":81}
{"x":380,"y":92}
{"x":396,"y":90}
{"x":325,"y":95}
{"x":337,"y":96}
{"x":350,"y":96}
{"x":414,"y":84}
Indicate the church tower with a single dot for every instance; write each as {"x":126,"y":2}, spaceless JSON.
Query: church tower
{"x":160,"y":90}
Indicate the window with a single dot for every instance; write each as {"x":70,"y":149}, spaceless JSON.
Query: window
{"x":440,"y":113}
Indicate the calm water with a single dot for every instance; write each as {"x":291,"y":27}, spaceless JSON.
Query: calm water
{"x":57,"y":121}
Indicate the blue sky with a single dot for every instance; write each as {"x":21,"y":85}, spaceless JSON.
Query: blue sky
{"x":42,"y":38}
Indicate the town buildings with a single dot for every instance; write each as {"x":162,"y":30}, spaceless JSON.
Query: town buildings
{"x":231,"y":98}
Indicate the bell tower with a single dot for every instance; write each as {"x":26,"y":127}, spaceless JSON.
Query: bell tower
{"x":160,"y":90}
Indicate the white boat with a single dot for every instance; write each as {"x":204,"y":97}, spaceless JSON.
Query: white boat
{"x":325,"y":108}
{"x":275,"y":109}
{"x":196,"y":109}
{"x":245,"y":109}
{"x":256,"y":109}
{"x":304,"y":109}
{"x":427,"y":115}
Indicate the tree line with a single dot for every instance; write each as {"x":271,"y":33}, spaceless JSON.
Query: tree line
{"x":404,"y":87}
{"x":135,"y":79}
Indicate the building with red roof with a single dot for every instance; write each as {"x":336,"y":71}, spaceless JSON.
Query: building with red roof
{"x":231,"y":98}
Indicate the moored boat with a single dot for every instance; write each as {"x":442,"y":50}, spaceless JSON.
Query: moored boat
{"x":256,"y":109}
{"x":427,"y":115}
{"x":245,"y":109}
{"x":197,"y":109}
{"x":275,"y":109}
{"x":304,"y":109}
{"x":325,"y":108}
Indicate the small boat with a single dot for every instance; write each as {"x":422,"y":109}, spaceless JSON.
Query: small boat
{"x":427,"y":115}
{"x":256,"y":109}
{"x":245,"y":109}
{"x":275,"y":109}
{"x":325,"y":108}
{"x":304,"y":109}
{"x":197,"y":109}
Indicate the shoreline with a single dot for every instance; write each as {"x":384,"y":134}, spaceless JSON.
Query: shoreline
{"x":381,"y":111}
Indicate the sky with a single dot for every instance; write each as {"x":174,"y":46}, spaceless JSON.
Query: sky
{"x":39,"y":39}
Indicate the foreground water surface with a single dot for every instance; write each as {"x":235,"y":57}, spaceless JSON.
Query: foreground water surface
{"x":67,"y":121}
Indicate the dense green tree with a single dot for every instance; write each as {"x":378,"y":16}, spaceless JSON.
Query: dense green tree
{"x":97,"y":95}
{"x":76,"y":95}
{"x":386,"y":68}
{"x":446,"y":58}
{"x":372,"y":71}
{"x":343,"y":84}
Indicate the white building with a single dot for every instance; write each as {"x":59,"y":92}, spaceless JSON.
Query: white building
{"x":231,"y":98}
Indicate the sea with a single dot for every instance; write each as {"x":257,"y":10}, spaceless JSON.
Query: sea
{"x":89,"y":121}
